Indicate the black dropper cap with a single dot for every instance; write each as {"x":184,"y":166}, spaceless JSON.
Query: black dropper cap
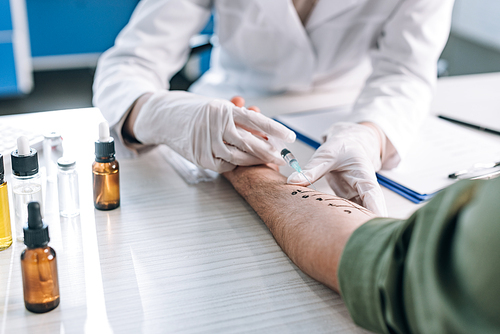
{"x":105,"y":146}
{"x":36,"y":234}
{"x":105,"y":151}
{"x":2,"y":171}
{"x":24,"y":165}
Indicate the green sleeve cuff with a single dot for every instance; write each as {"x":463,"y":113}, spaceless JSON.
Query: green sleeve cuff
{"x":362,"y":268}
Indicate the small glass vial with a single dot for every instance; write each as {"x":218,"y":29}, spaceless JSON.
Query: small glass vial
{"x":26,"y":182}
{"x":52,"y":150}
{"x":67,"y":184}
{"x":5,"y":231}
{"x":105,"y":172}
{"x":38,"y":265}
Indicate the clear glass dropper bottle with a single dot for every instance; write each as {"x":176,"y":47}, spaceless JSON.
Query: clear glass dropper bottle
{"x":26,"y":182}
{"x":39,"y":265}
{"x":5,"y":230}
{"x":105,"y":172}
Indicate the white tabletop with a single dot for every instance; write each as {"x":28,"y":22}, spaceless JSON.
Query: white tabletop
{"x":172,"y":258}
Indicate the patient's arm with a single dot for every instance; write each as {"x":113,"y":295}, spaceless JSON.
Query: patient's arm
{"x":311,"y":227}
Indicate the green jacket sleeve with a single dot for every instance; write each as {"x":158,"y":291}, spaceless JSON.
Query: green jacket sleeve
{"x":436,"y":272}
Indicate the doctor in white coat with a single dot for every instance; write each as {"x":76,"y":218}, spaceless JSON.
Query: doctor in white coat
{"x":387,"y":48}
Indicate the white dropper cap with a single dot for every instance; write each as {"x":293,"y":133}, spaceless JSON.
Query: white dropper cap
{"x":104,"y":132}
{"x":23,"y":146}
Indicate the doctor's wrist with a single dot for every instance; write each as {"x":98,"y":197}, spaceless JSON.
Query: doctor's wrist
{"x":128,"y":127}
{"x":382,"y":139}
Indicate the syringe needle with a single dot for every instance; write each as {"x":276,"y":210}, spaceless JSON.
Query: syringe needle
{"x":305,"y":177}
{"x":292,"y":162}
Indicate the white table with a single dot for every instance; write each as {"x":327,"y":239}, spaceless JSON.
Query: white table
{"x":172,"y":258}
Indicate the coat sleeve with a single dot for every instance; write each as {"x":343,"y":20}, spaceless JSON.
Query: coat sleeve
{"x":147,"y":53}
{"x":436,"y":272}
{"x":398,"y":93}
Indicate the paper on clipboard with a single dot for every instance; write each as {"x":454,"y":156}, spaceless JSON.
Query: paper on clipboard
{"x":440,"y":148}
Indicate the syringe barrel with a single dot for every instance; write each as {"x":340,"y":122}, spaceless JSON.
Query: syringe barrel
{"x":290,"y":160}
{"x":287,"y":156}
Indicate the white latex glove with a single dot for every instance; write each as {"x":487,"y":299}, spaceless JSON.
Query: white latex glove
{"x":211,"y":133}
{"x":349,"y":158}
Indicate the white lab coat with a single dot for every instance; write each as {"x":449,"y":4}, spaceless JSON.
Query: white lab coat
{"x":389,"y":48}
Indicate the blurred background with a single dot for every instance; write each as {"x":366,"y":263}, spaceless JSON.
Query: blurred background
{"x":49,"y":49}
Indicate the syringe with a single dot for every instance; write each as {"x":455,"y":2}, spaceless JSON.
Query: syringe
{"x":292,"y":162}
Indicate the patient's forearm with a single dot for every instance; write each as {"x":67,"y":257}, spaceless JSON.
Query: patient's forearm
{"x":311,"y":227}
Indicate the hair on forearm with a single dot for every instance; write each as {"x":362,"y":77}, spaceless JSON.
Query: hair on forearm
{"x":310,"y":227}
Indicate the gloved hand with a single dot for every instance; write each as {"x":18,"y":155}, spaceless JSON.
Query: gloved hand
{"x":349,"y":158}
{"x":211,"y":133}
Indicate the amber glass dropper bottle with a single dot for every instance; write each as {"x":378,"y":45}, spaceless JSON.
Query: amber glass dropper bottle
{"x":39,"y":265}
{"x":105,"y":172}
{"x":5,"y":231}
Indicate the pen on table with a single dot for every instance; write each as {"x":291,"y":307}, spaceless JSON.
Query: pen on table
{"x":484,"y":167}
{"x":477,"y":127}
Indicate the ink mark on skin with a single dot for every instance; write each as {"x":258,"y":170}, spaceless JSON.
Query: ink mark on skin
{"x":344,"y":203}
{"x":347,"y":204}
{"x":295,"y":192}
